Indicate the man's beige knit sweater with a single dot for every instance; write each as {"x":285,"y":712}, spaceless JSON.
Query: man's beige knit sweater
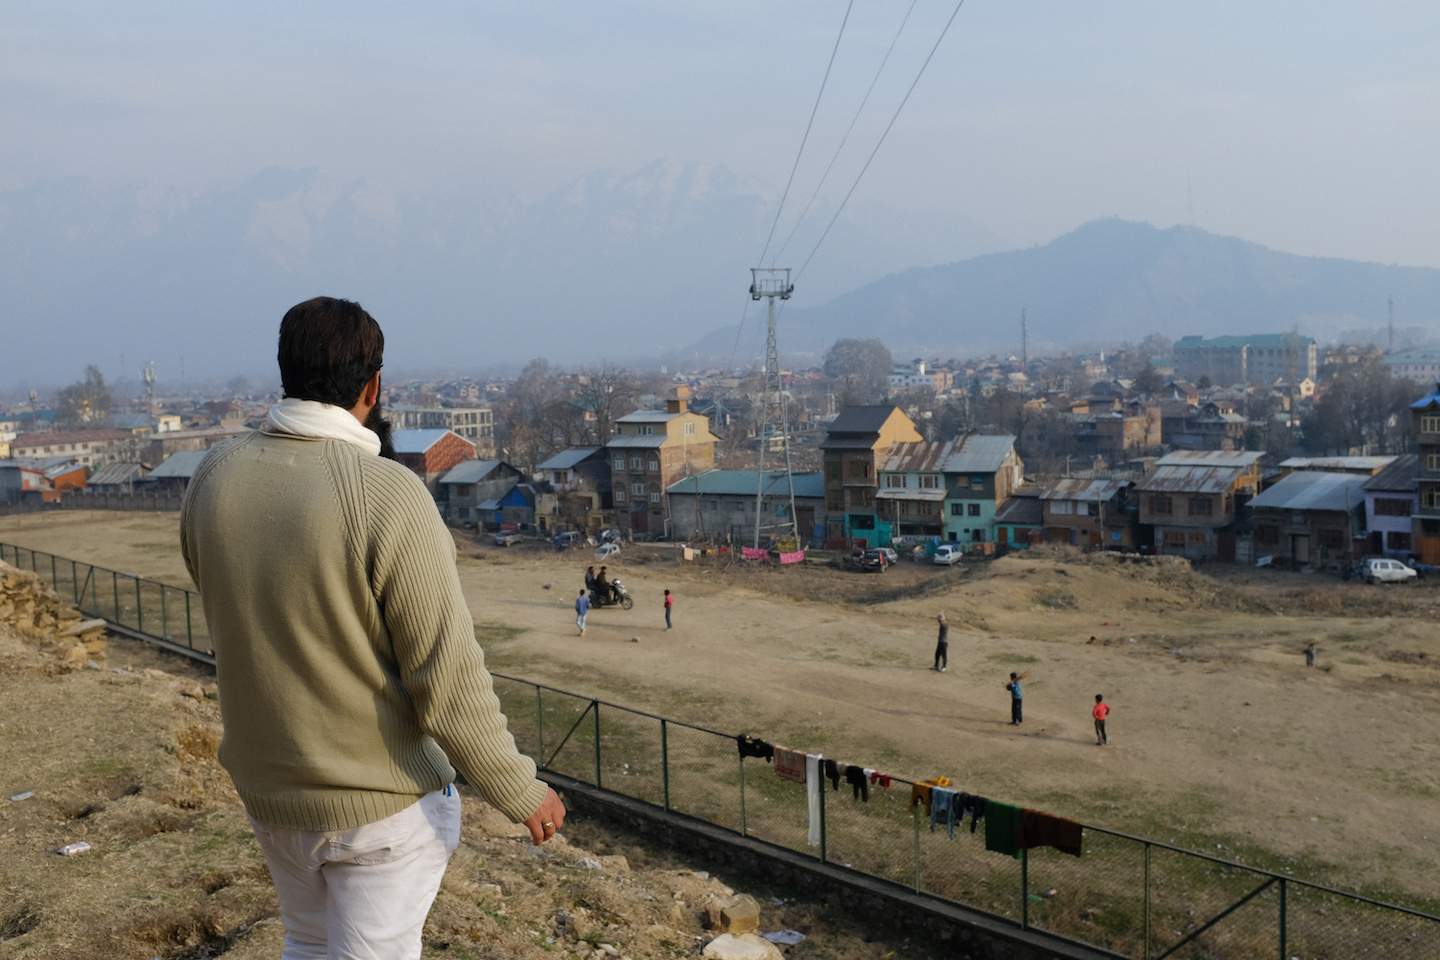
{"x":349,"y":674}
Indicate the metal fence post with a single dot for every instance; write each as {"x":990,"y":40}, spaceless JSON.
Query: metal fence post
{"x":539,"y":726}
{"x":75,"y":582}
{"x":744,"y":823}
{"x":1283,"y":918}
{"x":595,"y":705}
{"x":53,"y":575}
{"x":822,"y":820}
{"x":915,"y":817}
{"x":115,"y":589}
{"x":139,"y":607}
{"x":189,"y":631}
{"x":164,"y":617}
{"x":1024,"y":889}
{"x":665,"y":770}
{"x":1145,"y":953}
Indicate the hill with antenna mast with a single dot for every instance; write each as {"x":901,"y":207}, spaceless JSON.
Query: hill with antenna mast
{"x":1105,"y":282}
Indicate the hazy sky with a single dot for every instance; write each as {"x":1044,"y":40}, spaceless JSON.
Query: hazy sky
{"x":1310,"y":127}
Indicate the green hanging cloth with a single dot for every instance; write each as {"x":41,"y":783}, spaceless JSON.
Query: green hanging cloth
{"x":1002,"y":828}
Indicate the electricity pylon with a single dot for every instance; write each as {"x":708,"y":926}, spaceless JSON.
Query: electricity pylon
{"x":770,"y":283}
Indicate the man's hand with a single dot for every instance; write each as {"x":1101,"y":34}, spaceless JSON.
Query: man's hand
{"x":545,"y":822}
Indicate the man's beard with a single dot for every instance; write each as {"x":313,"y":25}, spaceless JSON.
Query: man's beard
{"x":376,"y":421}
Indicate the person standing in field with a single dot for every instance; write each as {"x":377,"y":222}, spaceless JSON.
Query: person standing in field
{"x":1100,"y":712}
{"x":582,"y":607}
{"x":942,"y":644}
{"x":350,"y":679}
{"x":1017,"y":714}
{"x":669,"y":602}
{"x":1310,"y":655}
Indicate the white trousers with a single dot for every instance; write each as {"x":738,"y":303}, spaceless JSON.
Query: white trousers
{"x":362,"y":893}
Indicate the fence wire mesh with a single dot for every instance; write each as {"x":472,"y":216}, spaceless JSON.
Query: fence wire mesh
{"x":1129,"y":896}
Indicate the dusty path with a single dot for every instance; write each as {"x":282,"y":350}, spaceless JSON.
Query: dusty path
{"x":1232,"y":740}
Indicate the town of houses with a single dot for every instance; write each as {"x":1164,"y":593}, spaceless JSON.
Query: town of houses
{"x":1208,"y":451}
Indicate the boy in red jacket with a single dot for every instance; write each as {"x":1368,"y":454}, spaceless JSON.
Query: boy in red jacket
{"x":1100,"y":712}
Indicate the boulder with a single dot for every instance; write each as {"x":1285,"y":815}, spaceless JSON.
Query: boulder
{"x":747,"y":946}
{"x":82,"y":626}
{"x":741,"y":913}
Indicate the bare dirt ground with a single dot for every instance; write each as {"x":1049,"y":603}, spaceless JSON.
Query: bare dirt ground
{"x":124,"y":759}
{"x":1220,"y":736}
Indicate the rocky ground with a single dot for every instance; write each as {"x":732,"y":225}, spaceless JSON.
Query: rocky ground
{"x":122,"y":758}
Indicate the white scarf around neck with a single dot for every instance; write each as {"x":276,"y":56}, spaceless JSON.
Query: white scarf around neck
{"x":314,"y":420}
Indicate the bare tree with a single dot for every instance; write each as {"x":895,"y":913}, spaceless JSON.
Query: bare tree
{"x":608,"y":392}
{"x":85,"y":402}
{"x":531,"y":423}
{"x":859,"y":368}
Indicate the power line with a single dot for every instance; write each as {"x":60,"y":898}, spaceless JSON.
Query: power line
{"x":848,"y":130}
{"x":881,"y":141}
{"x":801,"y":151}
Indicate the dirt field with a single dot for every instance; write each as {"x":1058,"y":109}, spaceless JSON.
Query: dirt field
{"x":1219,"y":735}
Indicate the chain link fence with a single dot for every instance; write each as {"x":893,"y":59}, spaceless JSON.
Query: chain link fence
{"x":1126,"y":895}
{"x":1132,"y":897}
{"x":157,"y":610}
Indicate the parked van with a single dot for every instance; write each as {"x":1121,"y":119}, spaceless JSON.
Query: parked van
{"x":947,"y":553}
{"x":1387,"y":571}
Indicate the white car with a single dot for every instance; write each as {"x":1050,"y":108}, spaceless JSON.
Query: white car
{"x":947,"y":553}
{"x":1387,"y":571}
{"x":891,"y":557}
{"x":607,"y":550}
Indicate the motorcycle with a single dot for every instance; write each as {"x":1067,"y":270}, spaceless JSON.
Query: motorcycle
{"x":625,"y":600}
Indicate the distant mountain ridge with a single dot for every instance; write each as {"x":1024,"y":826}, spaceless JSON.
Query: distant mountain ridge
{"x":1108,"y":281}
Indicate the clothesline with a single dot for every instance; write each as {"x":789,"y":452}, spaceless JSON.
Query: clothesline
{"x":1008,"y":828}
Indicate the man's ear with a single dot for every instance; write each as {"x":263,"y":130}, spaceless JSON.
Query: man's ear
{"x":371,"y":394}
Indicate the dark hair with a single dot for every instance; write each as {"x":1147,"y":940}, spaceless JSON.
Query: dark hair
{"x":1099,"y":697}
{"x":329,"y":349}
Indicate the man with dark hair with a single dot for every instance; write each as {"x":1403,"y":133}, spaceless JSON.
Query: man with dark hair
{"x":349,"y":675}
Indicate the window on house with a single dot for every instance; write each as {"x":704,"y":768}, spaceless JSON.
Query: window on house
{"x":619,"y":464}
{"x":637,"y":463}
{"x":1196,"y":539}
{"x":1432,"y":461}
{"x":1391,"y":507}
{"x":1430,"y":423}
{"x":861,"y":498}
{"x":859,"y":469}
{"x":655,"y":466}
{"x":957,"y":509}
{"x":929,"y":481}
{"x":646,"y":430}
{"x":638,"y":489}
{"x":560,"y":476}
{"x":1062,"y":508}
{"x":974,"y":509}
{"x":1160,"y":505}
{"x":977,"y":483}
{"x":832,"y":471}
{"x":690,"y":429}
{"x":709,"y":505}
{"x":895,"y":481}
{"x":834,"y":500}
{"x":654,"y":496}
{"x":1201,"y":506}
{"x":619,"y":495}
{"x":1334,"y":539}
{"x":1430,"y":499}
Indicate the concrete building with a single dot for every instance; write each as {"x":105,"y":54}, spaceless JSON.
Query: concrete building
{"x":1425,"y":421}
{"x":430,"y":454}
{"x":950,"y":489}
{"x":721,"y":503}
{"x":1310,"y":517}
{"x":1421,"y":365}
{"x":651,"y":450}
{"x":474,"y":423}
{"x":1259,"y":358}
{"x":854,"y":443}
{"x":1191,"y":498}
{"x":915,"y":378}
{"x":160,"y":446}
{"x":90,"y":447}
{"x":1390,"y":506}
{"x":582,"y":491}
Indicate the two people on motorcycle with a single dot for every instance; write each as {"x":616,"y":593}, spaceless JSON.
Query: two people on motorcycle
{"x":605,"y":588}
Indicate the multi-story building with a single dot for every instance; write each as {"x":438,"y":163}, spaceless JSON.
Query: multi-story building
{"x":1425,"y":414}
{"x":430,"y":454}
{"x":470,"y":492}
{"x":90,"y":447}
{"x":1310,"y":517}
{"x":722,"y":502}
{"x":854,"y":443}
{"x":581,"y":489}
{"x":1091,"y":513}
{"x":651,"y":450}
{"x":950,"y":489}
{"x":915,"y":378}
{"x":474,"y":423}
{"x":1390,"y":507}
{"x":1259,"y":358}
{"x":1191,"y":498}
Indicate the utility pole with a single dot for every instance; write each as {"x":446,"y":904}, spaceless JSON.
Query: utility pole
{"x":770,"y":283}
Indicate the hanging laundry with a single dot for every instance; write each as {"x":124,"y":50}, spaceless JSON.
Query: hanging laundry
{"x":796,"y":557}
{"x":832,"y":773}
{"x":971,"y":804}
{"x":1002,"y":825}
{"x":790,"y":764}
{"x":859,"y":785}
{"x":754,"y":553}
{"x":1038,"y":829}
{"x":942,"y":809}
{"x":813,"y":786}
{"x":755,"y":747}
{"x":883,"y":779}
{"x":920,"y":793}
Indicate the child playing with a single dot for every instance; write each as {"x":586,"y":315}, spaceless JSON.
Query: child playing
{"x":1100,"y":712}
{"x":669,"y":602}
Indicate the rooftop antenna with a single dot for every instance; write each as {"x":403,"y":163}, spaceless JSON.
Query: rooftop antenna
{"x":770,"y":283}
